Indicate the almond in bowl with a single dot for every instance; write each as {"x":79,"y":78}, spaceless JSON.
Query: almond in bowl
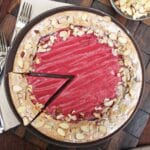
{"x":132,"y":9}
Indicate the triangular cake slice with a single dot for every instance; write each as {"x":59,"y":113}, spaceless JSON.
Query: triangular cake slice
{"x":30,"y":93}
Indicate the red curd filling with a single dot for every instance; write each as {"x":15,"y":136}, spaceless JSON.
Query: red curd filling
{"x":95,"y":69}
{"x":44,"y":87}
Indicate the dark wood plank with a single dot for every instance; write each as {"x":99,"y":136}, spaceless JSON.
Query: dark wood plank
{"x":54,"y":147}
{"x":4,"y":6}
{"x":147,"y":22}
{"x":7,"y":26}
{"x":76,"y":2}
{"x":148,"y":73}
{"x":122,"y":140}
{"x":146,"y":104}
{"x":86,"y":3}
{"x":101,"y":146}
{"x":20,"y":131}
{"x":145,"y":137}
{"x":13,"y":5}
{"x":9,"y":141}
{"x":137,"y":124}
{"x":121,"y":19}
{"x":36,"y":141}
{"x":105,"y":2}
{"x":142,"y":36}
{"x":146,"y":59}
{"x":132,"y":26}
{"x":101,"y":6}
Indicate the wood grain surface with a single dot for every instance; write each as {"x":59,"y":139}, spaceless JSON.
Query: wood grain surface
{"x":137,"y":131}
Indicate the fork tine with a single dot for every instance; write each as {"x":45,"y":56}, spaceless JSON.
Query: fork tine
{"x":22,"y":11}
{"x":4,"y":42}
{"x":25,"y":12}
{"x":0,"y":42}
{"x":29,"y":11}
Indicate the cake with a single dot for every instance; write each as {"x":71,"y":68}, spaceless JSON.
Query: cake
{"x":76,"y":77}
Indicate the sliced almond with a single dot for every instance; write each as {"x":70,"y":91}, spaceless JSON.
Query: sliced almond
{"x":89,"y":31}
{"x":96,"y":115}
{"x":64,"y":34}
{"x":20,"y":62}
{"x":37,"y":61}
{"x":39,"y":106}
{"x":110,"y":43}
{"x":52,"y":39}
{"x":21,"y":109}
{"x":29,"y":88}
{"x":38,"y":123}
{"x":47,"y":126}
{"x":61,"y":132}
{"x":107,"y":19}
{"x":85,"y":128}
{"x":80,"y":136}
{"x":25,"y":121}
{"x":122,"y":40}
{"x":64,"y":125}
{"x":122,"y":2}
{"x":127,"y":52}
{"x":72,"y":117}
{"x":80,"y":33}
{"x":70,"y":19}
{"x":17,"y":88}
{"x":84,"y":16}
{"x":102,"y":130}
{"x":113,"y":36}
{"x":60,"y":116}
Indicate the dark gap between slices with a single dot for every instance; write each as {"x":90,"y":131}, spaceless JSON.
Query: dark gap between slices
{"x":69,"y":77}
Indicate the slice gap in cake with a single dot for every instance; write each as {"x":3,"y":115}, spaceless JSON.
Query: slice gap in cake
{"x":32,"y":92}
{"x":52,"y":98}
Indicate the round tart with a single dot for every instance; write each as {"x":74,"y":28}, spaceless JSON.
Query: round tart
{"x":76,"y":77}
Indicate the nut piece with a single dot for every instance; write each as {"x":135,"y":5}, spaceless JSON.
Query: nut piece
{"x":113,"y":36}
{"x":108,"y":103}
{"x":20,"y":62}
{"x":21,"y":109}
{"x":64,"y":35}
{"x":102,"y":129}
{"x":37,"y":61}
{"x":17,"y":88}
{"x":61,"y":132}
{"x":122,"y":40}
{"x":96,"y":115}
{"x":72,"y":117}
{"x":38,"y":124}
{"x":85,"y":128}
{"x":64,"y":125}
{"x":25,"y":121}
{"x":80,"y":136}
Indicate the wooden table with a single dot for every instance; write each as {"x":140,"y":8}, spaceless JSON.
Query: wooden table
{"x":134,"y":134}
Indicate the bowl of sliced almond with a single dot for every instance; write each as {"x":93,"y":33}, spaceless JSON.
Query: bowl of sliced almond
{"x":132,"y":9}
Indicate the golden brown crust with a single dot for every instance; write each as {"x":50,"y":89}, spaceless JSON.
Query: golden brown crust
{"x":21,"y":97}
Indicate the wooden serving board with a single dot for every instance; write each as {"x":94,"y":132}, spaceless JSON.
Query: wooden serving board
{"x":130,"y":137}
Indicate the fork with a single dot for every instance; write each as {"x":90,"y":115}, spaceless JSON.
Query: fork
{"x":23,"y":18}
{"x":3,"y":51}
